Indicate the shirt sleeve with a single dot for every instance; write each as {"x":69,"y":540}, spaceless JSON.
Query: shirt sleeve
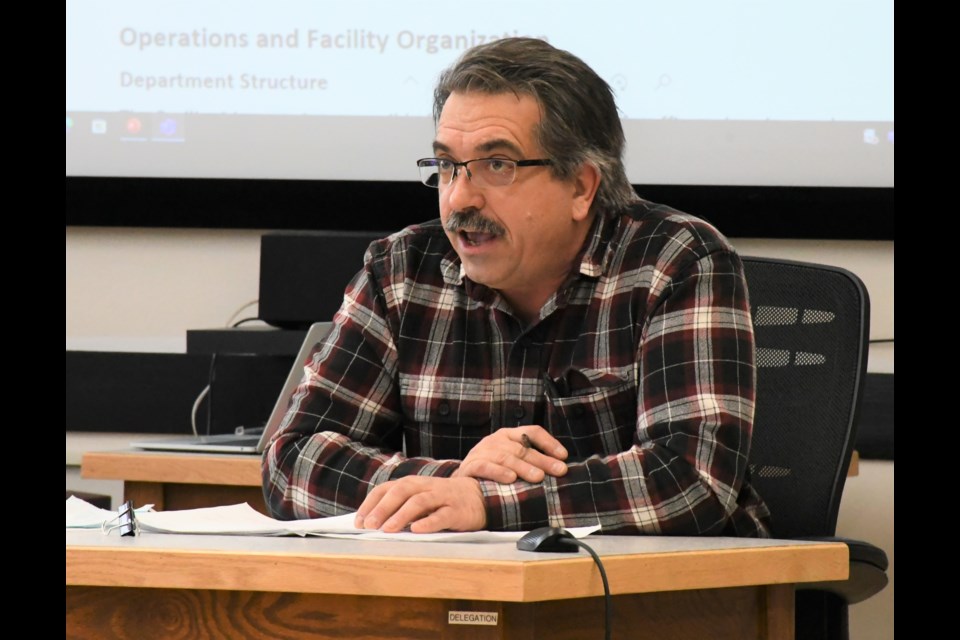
{"x":343,"y":431}
{"x":684,"y":471}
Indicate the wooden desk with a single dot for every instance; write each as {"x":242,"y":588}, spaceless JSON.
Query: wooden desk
{"x":180,"y":480}
{"x":167,"y":586}
{"x":193,"y":480}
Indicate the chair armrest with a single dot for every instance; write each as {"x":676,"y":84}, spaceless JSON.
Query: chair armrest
{"x":868,"y":571}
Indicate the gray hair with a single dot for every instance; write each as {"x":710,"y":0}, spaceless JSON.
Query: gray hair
{"x":579,"y":122}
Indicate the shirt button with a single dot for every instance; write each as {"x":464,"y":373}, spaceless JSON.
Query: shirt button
{"x":519,"y":412}
{"x":443,"y":409}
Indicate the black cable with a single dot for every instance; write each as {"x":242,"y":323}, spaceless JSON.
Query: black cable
{"x":881,"y":340}
{"x":211,"y":376}
{"x":607,"y":603}
{"x":244,"y":321}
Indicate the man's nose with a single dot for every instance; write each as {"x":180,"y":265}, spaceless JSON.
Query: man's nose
{"x":462,"y":194}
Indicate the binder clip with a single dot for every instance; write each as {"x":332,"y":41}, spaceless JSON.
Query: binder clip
{"x":125,"y":521}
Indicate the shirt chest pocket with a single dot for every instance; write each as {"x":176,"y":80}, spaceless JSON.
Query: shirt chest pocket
{"x":445,"y":418}
{"x":599,"y":420}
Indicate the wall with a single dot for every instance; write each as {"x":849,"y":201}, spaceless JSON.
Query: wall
{"x":141,"y":289}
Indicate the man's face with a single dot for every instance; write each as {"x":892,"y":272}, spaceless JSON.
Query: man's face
{"x":538,"y":225}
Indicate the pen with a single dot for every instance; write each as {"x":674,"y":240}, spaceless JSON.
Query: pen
{"x":527,"y":443}
{"x":553,"y":394}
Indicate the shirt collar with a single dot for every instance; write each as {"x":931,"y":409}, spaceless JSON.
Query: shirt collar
{"x":597,"y":248}
{"x":452,"y":269}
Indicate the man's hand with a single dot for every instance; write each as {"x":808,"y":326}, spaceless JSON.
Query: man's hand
{"x":425,"y":503}
{"x":504,"y":456}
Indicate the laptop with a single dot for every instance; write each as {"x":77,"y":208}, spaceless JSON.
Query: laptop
{"x":252,"y":440}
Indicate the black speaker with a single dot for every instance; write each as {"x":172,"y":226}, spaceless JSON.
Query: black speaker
{"x":155,"y":392}
{"x":303,"y":273}
{"x":133,"y":392}
{"x":243,"y":390}
{"x":263,"y":341}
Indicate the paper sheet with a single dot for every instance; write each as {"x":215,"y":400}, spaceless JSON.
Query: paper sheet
{"x":83,"y":515}
{"x":242,"y":519}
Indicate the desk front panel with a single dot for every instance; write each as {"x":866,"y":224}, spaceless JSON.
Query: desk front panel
{"x":105,"y":613}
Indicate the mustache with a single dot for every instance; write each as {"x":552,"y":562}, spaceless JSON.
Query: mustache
{"x":472,"y":220}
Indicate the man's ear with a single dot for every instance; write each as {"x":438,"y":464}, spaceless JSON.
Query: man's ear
{"x":585,"y":184}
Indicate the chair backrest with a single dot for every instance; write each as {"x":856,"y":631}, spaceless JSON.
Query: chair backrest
{"x":812,"y":331}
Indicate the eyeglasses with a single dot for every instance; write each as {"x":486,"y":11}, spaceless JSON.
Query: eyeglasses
{"x":483,"y":172}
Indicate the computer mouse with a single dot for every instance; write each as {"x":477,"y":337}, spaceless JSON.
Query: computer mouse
{"x":547,"y":539}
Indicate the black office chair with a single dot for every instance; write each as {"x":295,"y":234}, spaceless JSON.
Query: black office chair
{"x":812,"y":329}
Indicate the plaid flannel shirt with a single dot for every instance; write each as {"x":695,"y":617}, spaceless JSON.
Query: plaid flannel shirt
{"x":641,"y":364}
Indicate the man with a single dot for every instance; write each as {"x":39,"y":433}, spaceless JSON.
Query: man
{"x":553,"y":350}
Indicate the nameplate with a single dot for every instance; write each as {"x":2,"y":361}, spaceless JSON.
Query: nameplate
{"x":484,"y":618}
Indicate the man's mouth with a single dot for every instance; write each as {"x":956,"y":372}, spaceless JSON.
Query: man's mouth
{"x":473,"y":228}
{"x":476,"y":238}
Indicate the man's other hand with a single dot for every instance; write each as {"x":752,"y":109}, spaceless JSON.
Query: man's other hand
{"x":424,"y":503}
{"x":504,"y":456}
